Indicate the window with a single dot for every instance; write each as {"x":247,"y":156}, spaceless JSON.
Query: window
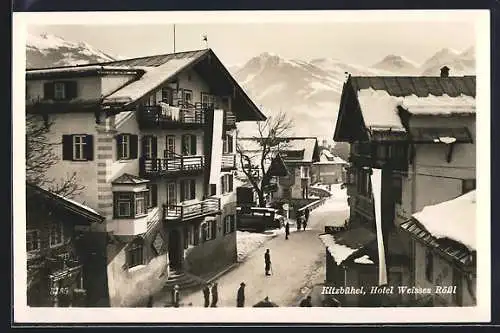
{"x":140,"y":204}
{"x":429,"y":265}
{"x":304,"y":172}
{"x":62,"y":90}
{"x":287,"y":193}
{"x":187,"y":96}
{"x":397,"y":188}
{"x":207,"y":100}
{"x":363,"y":183}
{"x":77,"y":147}
{"x":59,"y":90}
{"x":188,"y":189}
{"x":227,"y":144}
{"x":126,"y":146}
{"x":468,"y":185}
{"x":130,"y":204}
{"x":149,"y":147}
{"x":190,"y":235}
{"x":152,"y":195}
{"x":189,"y":144}
{"x":32,"y":240}
{"x":229,"y":224}
{"x":210,"y":230}
{"x":56,"y":234}
{"x":210,"y":233}
{"x":134,"y":254}
{"x":226,"y":183}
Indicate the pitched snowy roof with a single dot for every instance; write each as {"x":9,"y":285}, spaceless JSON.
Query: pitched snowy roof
{"x":454,"y":219}
{"x":343,"y":244}
{"x":128,"y":179}
{"x":307,"y":146}
{"x":67,"y":203}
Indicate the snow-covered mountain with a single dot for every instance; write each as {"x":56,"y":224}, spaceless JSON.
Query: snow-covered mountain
{"x":460,"y":63}
{"x":47,"y":50}
{"x":398,"y":64}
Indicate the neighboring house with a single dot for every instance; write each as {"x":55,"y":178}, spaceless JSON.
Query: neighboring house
{"x":444,"y":240}
{"x":329,"y":170}
{"x":420,"y":131}
{"x":152,"y":139}
{"x":66,"y":262}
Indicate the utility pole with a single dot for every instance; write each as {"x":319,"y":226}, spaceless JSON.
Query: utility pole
{"x":174,"y":38}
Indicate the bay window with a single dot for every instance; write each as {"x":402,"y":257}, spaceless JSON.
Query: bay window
{"x":130,"y":204}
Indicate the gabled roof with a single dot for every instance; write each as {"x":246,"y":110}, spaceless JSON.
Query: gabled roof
{"x":386,"y":103}
{"x":68,"y":205}
{"x":128,"y":179}
{"x":305,"y":147}
{"x":278,"y":167}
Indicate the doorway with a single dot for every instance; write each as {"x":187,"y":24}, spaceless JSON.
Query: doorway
{"x":175,"y":252}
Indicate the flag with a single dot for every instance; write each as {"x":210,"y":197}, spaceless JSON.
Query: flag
{"x":376,"y":180}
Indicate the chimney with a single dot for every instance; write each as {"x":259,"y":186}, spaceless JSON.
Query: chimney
{"x":445,"y":71}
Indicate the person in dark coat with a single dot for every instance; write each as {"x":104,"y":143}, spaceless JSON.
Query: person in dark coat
{"x":176,"y":296}
{"x":306,"y":215}
{"x":206,"y":295}
{"x":306,"y":302}
{"x":215,"y":295}
{"x":267,"y":261}
{"x":287,"y":230}
{"x":240,"y":298}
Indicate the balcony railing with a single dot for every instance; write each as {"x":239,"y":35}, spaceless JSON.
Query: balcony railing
{"x":174,"y":164}
{"x":192,"y":210}
{"x":184,"y":115}
{"x":228,"y":161}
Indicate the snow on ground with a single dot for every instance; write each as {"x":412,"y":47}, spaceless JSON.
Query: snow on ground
{"x":337,"y":202}
{"x":454,"y":219}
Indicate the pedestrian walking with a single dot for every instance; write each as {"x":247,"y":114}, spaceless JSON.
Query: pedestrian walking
{"x":287,"y":229}
{"x":306,"y":215}
{"x":267,"y":261}
{"x":206,"y":295}
{"x":240,"y":297}
{"x":176,"y":296}
{"x":304,"y":223}
{"x":306,"y":302}
{"x":215,"y":295}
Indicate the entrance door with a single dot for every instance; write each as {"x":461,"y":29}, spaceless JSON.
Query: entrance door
{"x":174,"y":249}
{"x":170,"y":151}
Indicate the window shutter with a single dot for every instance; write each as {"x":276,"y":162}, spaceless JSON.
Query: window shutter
{"x":71,"y":89}
{"x":183,"y":145}
{"x":133,"y":146}
{"x":48,"y":90}
{"x":196,"y":236}
{"x":213,"y":225}
{"x":224,"y":225}
{"x":230,"y":183}
{"x":233,"y":223}
{"x":193,"y":144}
{"x":154,"y":194}
{"x":89,"y":148}
{"x":193,"y":189}
{"x":183,"y":184}
{"x":229,"y":143}
{"x":67,"y":147}
{"x":119,"y":139}
{"x":222,"y":189}
{"x":143,"y":145}
{"x":154,"y":145}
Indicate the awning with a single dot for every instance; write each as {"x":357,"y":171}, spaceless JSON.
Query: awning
{"x":436,"y":134}
{"x":342,"y":245}
{"x":449,"y":248}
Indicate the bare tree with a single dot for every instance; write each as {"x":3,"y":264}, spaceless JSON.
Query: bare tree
{"x":272,"y":136}
{"x":40,"y":157}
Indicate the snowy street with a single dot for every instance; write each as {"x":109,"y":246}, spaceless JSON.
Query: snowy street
{"x":297,"y":263}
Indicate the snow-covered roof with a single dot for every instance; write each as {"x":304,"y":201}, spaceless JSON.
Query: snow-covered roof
{"x":337,"y":251}
{"x":365,"y":260}
{"x":307,"y":145}
{"x":80,"y":69}
{"x":343,"y":244}
{"x":153,"y":77}
{"x":324,"y":159}
{"x":454,"y":219}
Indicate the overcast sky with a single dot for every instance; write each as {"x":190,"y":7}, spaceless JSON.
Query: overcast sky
{"x":353,"y":42}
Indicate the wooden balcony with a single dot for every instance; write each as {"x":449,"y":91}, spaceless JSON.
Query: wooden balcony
{"x":174,"y":165}
{"x":228,"y":161}
{"x":184,"y":116}
{"x":183,"y":212}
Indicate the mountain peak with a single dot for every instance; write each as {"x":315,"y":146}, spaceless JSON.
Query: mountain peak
{"x":396,"y":63}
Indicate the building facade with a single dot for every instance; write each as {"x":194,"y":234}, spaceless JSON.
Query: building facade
{"x":420,"y":132}
{"x":152,"y":140}
{"x":329,"y":169}
{"x":64,"y":258}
